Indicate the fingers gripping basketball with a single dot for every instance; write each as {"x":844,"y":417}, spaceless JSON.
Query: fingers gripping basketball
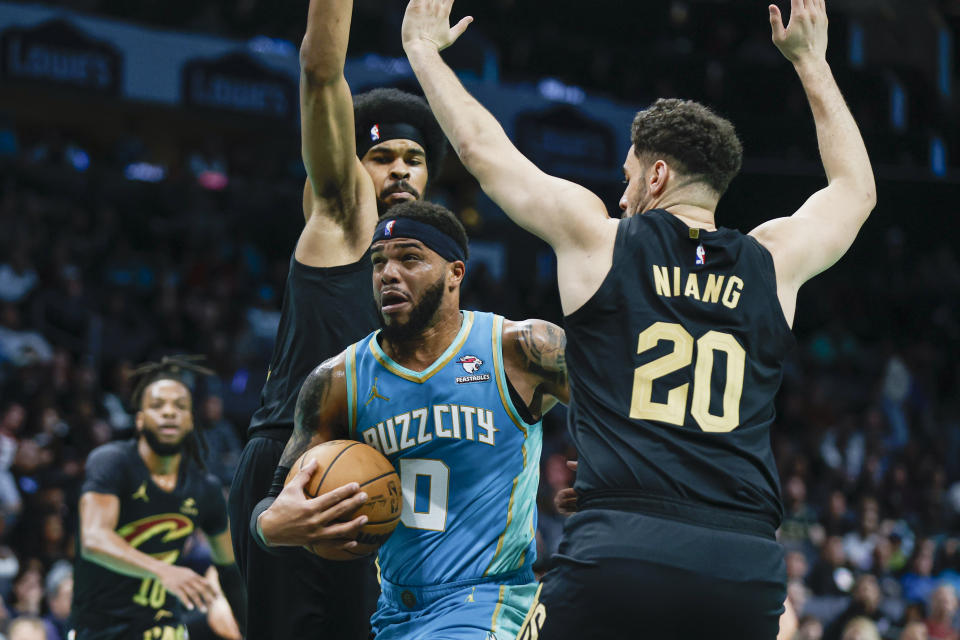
{"x":340,"y":462}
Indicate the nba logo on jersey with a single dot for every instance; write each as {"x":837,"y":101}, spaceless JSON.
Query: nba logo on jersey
{"x":701,"y":255}
{"x":375,"y":132}
{"x":388,"y":230}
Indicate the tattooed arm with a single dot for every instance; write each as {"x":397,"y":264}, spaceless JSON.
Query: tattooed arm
{"x":292,"y":519}
{"x":536,"y":365}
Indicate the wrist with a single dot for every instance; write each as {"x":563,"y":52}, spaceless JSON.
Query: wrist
{"x":420,"y":47}
{"x":809,"y":65}
{"x":260,"y":524}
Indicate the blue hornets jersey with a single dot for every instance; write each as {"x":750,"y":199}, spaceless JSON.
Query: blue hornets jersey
{"x":468,"y":464}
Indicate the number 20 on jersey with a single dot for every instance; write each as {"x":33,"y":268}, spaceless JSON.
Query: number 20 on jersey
{"x":687,"y":351}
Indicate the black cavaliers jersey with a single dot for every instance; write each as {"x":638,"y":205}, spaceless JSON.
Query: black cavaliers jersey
{"x":151,"y":520}
{"x":324,"y":310}
{"x":674,"y":364}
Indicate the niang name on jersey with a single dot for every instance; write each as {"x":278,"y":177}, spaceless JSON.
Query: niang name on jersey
{"x":705,"y":287}
{"x":410,"y":429}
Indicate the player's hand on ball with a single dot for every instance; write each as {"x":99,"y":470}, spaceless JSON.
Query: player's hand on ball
{"x":805,"y":37}
{"x":193,"y":589}
{"x":296,"y":520}
{"x":427,"y":22}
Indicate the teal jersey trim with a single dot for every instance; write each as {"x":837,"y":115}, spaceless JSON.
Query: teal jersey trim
{"x":422,"y":376}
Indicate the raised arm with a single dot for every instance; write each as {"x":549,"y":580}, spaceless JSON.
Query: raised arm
{"x":534,"y":357}
{"x":820,"y":232}
{"x":339,"y":203}
{"x":292,"y":519}
{"x":567,"y":216}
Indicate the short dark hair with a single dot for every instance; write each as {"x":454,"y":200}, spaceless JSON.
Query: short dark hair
{"x":436,"y":216}
{"x":696,"y":139}
{"x":395,"y":106}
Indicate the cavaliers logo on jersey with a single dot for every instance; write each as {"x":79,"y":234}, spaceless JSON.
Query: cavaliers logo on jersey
{"x":167,"y":526}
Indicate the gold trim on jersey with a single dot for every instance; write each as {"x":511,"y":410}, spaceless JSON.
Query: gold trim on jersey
{"x":501,"y":375}
{"x":513,"y":494}
{"x":496,"y":611}
{"x":422,"y":376}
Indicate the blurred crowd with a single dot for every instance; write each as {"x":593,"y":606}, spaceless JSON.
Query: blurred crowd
{"x":716,"y":51}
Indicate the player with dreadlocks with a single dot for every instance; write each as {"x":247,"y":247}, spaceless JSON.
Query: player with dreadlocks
{"x":140,"y":501}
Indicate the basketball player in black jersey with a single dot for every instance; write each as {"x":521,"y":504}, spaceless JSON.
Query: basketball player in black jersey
{"x":677,"y":331}
{"x":362,"y":156}
{"x":140,"y":501}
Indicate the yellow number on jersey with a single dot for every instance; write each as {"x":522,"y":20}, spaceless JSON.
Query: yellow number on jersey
{"x":642,"y":406}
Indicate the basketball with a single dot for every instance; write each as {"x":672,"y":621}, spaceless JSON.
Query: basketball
{"x":341,"y":462}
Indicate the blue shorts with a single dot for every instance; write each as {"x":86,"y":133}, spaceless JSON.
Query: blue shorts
{"x":490,"y":609}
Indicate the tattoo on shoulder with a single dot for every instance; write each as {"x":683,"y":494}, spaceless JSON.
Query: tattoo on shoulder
{"x":543,"y":347}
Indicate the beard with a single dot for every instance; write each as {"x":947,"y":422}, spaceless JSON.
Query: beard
{"x":421,"y":316}
{"x":390,"y":189}
{"x":164,"y":449}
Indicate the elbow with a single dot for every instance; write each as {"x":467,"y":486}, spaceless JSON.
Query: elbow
{"x":317,"y":67}
{"x":90,"y":545}
{"x":471,"y":151}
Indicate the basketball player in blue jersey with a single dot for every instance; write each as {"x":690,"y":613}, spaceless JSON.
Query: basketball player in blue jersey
{"x":677,"y":334}
{"x":454,"y":399}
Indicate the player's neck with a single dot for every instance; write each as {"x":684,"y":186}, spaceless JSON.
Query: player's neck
{"x":693,"y":205}
{"x":421,"y":351}
{"x":158,"y":465}
{"x":692,"y":216}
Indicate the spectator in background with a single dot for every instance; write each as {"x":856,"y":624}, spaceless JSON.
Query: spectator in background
{"x":12,"y":418}
{"x":17,"y":277}
{"x":810,"y":628}
{"x":943,"y":611}
{"x":799,"y":517}
{"x":864,"y":605}
{"x":59,"y":590}
{"x":860,"y":629}
{"x":914,"y":631}
{"x":832,"y":575}
{"x":18,"y":346}
{"x":837,"y":521}
{"x":223,"y":445}
{"x":28,"y":591}
{"x":27,"y":628}
{"x":918,"y":582}
{"x":858,"y":545}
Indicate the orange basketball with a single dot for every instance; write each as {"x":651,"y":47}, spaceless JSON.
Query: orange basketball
{"x":341,"y":462}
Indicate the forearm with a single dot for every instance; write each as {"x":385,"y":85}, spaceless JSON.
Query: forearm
{"x":842,"y":149}
{"x":324,"y":49}
{"x":473,"y":132}
{"x":109,"y":550}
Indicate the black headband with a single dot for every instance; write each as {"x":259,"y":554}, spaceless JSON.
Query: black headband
{"x":445,"y":246}
{"x":384,"y":131}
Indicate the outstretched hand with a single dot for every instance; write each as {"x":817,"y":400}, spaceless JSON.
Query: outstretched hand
{"x":427,"y":23}
{"x":805,"y":37}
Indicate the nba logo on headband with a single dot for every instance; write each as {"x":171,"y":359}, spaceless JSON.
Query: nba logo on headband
{"x":375,"y":132}
{"x":388,"y":230}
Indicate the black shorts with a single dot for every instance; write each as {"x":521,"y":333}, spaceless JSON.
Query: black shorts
{"x":295,"y":594}
{"x":628,"y":575}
